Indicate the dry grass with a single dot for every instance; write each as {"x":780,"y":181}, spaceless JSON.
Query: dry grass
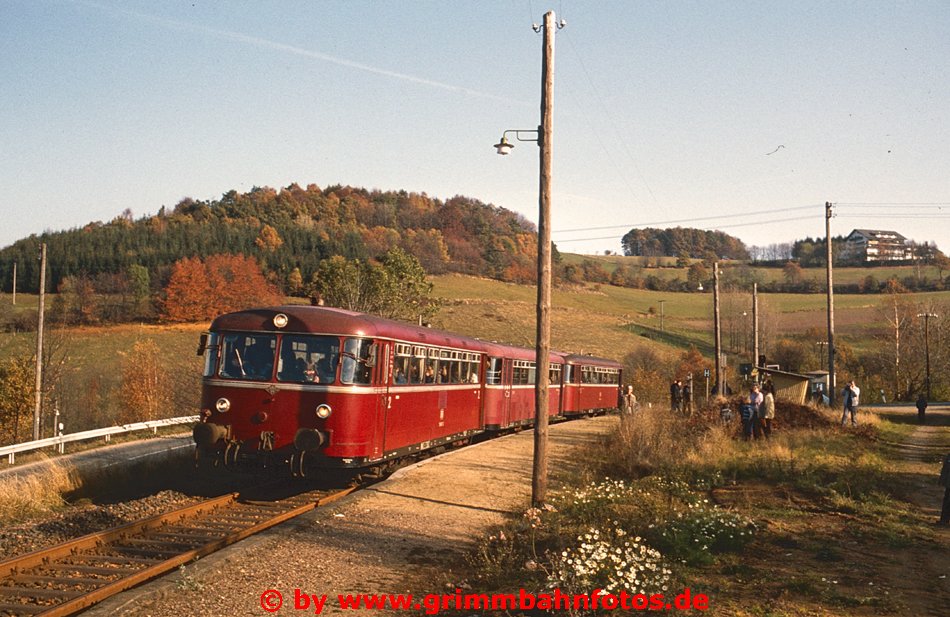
{"x":24,"y":497}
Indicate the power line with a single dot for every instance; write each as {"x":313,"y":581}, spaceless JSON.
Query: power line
{"x":697,"y":219}
{"x":769,"y":222}
{"x":606,"y":111}
{"x":896,"y":204}
{"x":903,"y":215}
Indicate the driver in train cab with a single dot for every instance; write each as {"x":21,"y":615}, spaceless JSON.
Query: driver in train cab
{"x":292,"y":368}
{"x":326,"y":371}
{"x":233,"y":365}
{"x":260,"y":360}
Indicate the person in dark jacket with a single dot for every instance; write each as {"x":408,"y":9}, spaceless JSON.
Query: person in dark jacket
{"x":921,"y":407}
{"x":676,"y":395}
{"x":747,"y":415}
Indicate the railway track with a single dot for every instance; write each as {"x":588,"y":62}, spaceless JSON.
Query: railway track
{"x":65,"y":579}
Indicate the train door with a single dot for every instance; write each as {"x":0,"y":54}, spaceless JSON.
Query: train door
{"x":383,"y":396}
{"x":506,"y":377}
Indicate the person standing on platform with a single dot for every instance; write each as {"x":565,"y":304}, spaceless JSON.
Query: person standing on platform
{"x":676,"y":392}
{"x":768,"y":409}
{"x":921,"y":407}
{"x":756,"y":398}
{"x":629,"y":402}
{"x":850,"y":397}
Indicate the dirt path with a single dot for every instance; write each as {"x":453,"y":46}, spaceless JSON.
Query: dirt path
{"x":920,"y":456}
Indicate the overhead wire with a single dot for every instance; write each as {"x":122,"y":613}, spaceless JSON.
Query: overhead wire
{"x":846,"y":214}
{"x":694,"y":219}
{"x":769,"y":222}
{"x":606,"y":111}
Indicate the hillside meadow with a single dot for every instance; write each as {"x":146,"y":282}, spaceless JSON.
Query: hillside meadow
{"x":665,"y":268}
{"x":591,"y":319}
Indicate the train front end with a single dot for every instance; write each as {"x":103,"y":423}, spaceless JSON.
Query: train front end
{"x":287,"y":389}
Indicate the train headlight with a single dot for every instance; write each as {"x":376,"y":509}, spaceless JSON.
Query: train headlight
{"x":222,"y":405}
{"x":324,"y":411}
{"x":280,"y":320}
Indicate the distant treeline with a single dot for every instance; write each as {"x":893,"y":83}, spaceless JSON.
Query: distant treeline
{"x":289,"y":231}
{"x":683,"y":242}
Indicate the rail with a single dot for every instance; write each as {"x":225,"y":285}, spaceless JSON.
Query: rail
{"x":70,"y":577}
{"x":60,"y":440}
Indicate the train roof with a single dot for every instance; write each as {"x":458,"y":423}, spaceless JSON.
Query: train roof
{"x":326,"y":320}
{"x":576,"y":358}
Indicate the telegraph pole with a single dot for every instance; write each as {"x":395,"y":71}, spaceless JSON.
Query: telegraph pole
{"x":38,"y":394}
{"x":717,"y":324}
{"x":832,"y":381}
{"x":14,"y":283}
{"x":662,"y":312}
{"x":539,"y":483}
{"x":927,"y":317}
{"x":755,"y":324}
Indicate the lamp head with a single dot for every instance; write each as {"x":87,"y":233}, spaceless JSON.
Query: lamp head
{"x":504,"y":146}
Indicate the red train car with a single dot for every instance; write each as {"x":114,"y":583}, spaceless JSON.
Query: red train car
{"x":591,"y":384}
{"x":307,"y":387}
{"x":510,"y":379}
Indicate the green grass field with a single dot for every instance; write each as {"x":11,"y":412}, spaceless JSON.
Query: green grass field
{"x":665,"y":268}
{"x":595,"y":319}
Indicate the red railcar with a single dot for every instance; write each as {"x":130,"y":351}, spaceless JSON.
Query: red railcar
{"x":510,"y":378}
{"x":592,"y":384}
{"x":320,"y":387}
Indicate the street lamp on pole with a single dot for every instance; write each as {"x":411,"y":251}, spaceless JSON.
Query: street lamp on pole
{"x":543,"y":138}
{"x":927,"y":317}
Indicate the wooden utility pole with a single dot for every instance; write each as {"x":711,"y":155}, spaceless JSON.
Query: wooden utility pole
{"x":717,"y":325}
{"x":539,"y":484}
{"x":38,"y":394}
{"x":14,"y":283}
{"x":927,"y":317}
{"x":832,"y":382}
{"x":755,"y":324}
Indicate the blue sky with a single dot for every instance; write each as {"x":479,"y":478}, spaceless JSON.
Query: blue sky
{"x":666,"y":112}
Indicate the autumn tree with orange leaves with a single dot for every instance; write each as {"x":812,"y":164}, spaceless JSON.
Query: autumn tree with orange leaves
{"x":203,"y":289}
{"x":146,"y":388}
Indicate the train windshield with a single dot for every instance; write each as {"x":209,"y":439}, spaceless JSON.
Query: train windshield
{"x":247,"y":356}
{"x":308,"y":359}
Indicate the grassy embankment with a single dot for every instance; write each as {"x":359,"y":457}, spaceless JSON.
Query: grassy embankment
{"x":596,"y":319}
{"x":836,"y":529}
{"x":818,"y":520}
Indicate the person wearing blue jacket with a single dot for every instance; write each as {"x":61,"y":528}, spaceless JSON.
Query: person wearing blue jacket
{"x":747,"y":414}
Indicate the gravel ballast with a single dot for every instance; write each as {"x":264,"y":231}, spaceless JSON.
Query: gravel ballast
{"x":394,"y":537}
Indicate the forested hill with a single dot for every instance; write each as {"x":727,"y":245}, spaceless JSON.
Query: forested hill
{"x":683,"y":242}
{"x":289,"y":231}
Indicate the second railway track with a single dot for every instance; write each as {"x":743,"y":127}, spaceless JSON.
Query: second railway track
{"x":69,"y":577}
